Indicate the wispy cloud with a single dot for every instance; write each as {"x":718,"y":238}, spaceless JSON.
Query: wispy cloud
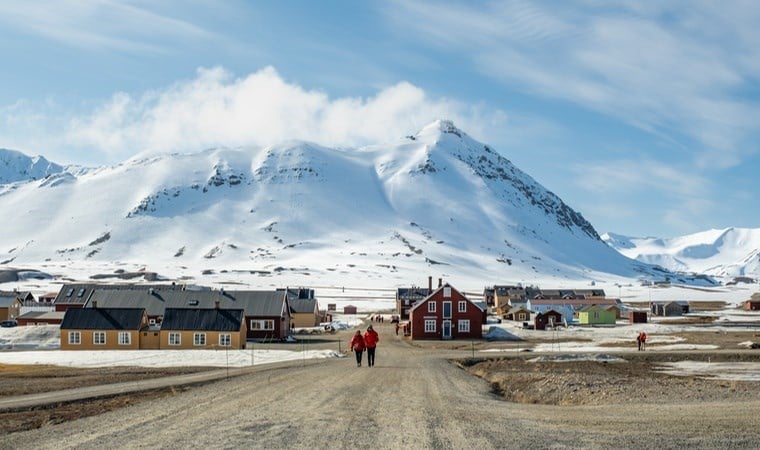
{"x":674,"y":194}
{"x":97,"y":24}
{"x":261,"y":108}
{"x":677,"y":70}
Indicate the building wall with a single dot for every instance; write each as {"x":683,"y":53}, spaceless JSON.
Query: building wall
{"x":304,"y":320}
{"x":752,"y":306}
{"x":420,"y":314}
{"x":280,"y":330}
{"x":605,"y":317}
{"x":187,"y":340}
{"x":112,"y":340}
{"x":11,"y":312}
{"x":150,"y":340}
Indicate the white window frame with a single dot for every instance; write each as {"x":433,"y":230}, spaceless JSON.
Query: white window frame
{"x":431,"y":307}
{"x":75,"y":338}
{"x":225,"y":340}
{"x":463,"y":326}
{"x":96,"y":335}
{"x":447,"y":292}
{"x":462,"y":307}
{"x":430,"y":325}
{"x":125,"y":338}
{"x":262,"y":324}
{"x":199,"y":339}
{"x":175,"y":339}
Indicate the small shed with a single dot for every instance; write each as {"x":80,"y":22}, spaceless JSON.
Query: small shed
{"x":519,"y":314}
{"x":637,"y":316}
{"x":671,"y":308}
{"x":349,"y":309}
{"x":752,"y":305}
{"x":596,"y":315}
{"x":550,"y":318}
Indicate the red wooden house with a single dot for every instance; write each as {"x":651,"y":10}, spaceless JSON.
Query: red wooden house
{"x":446,"y":314}
{"x":545,"y":319}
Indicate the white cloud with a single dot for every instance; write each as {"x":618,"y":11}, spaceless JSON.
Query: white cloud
{"x":97,"y":24}
{"x":674,"y":69}
{"x":216,"y":109}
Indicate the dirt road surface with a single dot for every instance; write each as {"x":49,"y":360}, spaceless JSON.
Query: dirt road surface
{"x":413,"y":398}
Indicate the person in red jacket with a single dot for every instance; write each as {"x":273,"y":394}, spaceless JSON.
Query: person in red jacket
{"x":370,"y":341}
{"x":357,"y":346}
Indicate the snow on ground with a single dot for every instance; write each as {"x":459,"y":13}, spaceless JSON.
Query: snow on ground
{"x":732,"y":371}
{"x":163,"y":358}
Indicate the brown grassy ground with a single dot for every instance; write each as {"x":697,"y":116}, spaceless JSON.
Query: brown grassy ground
{"x":31,"y":379}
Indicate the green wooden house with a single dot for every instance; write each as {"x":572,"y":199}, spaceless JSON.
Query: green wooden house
{"x":597,"y":315}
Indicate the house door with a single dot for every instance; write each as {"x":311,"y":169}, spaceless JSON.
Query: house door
{"x":446,"y":329}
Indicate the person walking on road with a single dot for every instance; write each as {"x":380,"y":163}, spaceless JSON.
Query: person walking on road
{"x":370,"y":341}
{"x":357,"y":346}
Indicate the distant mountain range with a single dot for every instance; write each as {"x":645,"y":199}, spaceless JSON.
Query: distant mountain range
{"x":728,"y":253}
{"x":434,"y":202}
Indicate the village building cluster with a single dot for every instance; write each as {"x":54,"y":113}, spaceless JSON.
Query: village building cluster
{"x":176,"y":316}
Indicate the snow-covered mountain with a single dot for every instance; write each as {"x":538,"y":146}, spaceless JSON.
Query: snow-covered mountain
{"x":435,"y":202}
{"x":16,"y":166}
{"x":730,"y":252}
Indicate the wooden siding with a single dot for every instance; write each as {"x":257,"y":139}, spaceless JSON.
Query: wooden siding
{"x":187,"y":340}
{"x":112,"y":340}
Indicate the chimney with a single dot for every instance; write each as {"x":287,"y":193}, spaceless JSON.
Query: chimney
{"x":440,"y":282}
{"x":150,"y":291}
{"x":94,"y":303}
{"x":430,"y":284}
{"x":216,"y":303}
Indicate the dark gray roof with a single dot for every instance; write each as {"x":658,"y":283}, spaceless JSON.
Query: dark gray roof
{"x":254,"y":303}
{"x":191,"y":319}
{"x":79,"y":293}
{"x":412,"y":293}
{"x":7,"y":300}
{"x":303,"y":305}
{"x":103,"y":319}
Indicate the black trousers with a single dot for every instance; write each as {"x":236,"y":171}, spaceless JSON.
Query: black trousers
{"x":358,"y":354}
{"x":370,"y":356}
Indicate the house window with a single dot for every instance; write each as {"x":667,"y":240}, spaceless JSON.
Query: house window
{"x":521,"y":316}
{"x":430,"y":326}
{"x":75,"y":337}
{"x":596,"y":314}
{"x":267,"y":324}
{"x":464,"y":326}
{"x":463,"y":306}
{"x":175,"y":339}
{"x":125,"y":338}
{"x":447,"y":292}
{"x":99,"y":338}
{"x":199,"y":339}
{"x":431,"y":307}
{"x":225,"y":340}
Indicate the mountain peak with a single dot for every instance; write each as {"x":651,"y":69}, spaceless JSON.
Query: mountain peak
{"x":439,"y":127}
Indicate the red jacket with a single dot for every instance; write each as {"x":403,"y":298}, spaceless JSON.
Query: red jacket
{"x":357,"y":343}
{"x":371,"y":338}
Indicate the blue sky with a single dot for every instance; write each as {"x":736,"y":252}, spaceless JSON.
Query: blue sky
{"x":644,"y":116}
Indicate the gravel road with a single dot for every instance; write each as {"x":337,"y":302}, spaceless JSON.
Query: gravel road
{"x":412,"y":398}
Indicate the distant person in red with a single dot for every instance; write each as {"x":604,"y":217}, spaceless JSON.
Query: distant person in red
{"x":370,"y":341}
{"x":643,"y":339}
{"x":357,"y":346}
